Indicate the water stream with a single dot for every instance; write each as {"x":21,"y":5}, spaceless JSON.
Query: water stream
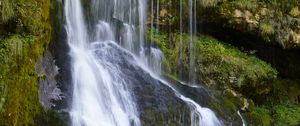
{"x":100,"y":97}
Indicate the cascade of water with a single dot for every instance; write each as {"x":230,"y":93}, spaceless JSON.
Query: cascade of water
{"x":157,"y":17}
{"x":180,"y":45}
{"x":192,"y":78}
{"x":195,"y":17}
{"x":104,"y":32}
{"x":100,"y":96}
{"x":142,"y":20}
{"x":155,"y":60}
{"x":75,"y":25}
{"x":152,"y":21}
{"x":127,"y":37}
{"x":200,"y":116}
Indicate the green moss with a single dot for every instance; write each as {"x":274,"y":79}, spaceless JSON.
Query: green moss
{"x":266,"y":29}
{"x":279,"y":115}
{"x":229,"y":104}
{"x":222,"y":67}
{"x":260,"y":116}
{"x":221,"y":59}
{"x":6,"y":10}
{"x":246,"y":4}
{"x":19,"y":79}
{"x":210,"y":3}
{"x":287,"y":114}
{"x":19,"y":50}
{"x":284,"y":91}
{"x":217,"y":61}
{"x":295,"y":12}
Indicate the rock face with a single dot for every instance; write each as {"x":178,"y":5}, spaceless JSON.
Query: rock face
{"x":48,"y":88}
{"x":275,"y":22}
{"x":59,"y":50}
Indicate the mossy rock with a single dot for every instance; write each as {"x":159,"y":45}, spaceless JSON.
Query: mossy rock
{"x":277,"y":22}
{"x":218,"y":65}
{"x":26,"y":34}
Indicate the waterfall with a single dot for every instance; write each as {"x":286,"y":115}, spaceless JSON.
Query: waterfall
{"x":180,"y":44}
{"x":192,"y":74}
{"x":157,"y":17}
{"x":201,"y":116}
{"x":127,"y":38}
{"x":102,"y":95}
{"x":152,"y":21}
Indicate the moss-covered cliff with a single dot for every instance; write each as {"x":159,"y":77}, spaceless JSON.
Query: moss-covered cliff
{"x":265,"y":93}
{"x":276,"y":44}
{"x":273,"y":20}
{"x":265,"y":29}
{"x":25,"y":32}
{"x":243,"y":81}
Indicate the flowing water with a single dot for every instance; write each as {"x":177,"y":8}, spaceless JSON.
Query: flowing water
{"x":157,"y":16}
{"x":180,"y":44}
{"x":152,"y":21}
{"x":192,"y":19}
{"x":100,"y":97}
{"x":102,"y":91}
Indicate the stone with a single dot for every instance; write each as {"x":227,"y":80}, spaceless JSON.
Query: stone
{"x":48,"y":89}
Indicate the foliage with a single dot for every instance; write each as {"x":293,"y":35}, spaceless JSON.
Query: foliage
{"x":224,"y":66}
{"x":282,"y":5}
{"x":266,"y":29}
{"x":228,"y":62}
{"x":6,"y":10}
{"x":295,"y":12}
{"x":18,"y":76}
{"x":246,"y":4}
{"x":287,"y":114}
{"x":279,"y":115}
{"x":210,"y":3}
{"x":216,"y":61}
{"x":260,"y":116}
{"x":284,"y":91}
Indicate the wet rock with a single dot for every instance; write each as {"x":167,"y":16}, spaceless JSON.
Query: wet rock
{"x":156,"y":102}
{"x":48,"y":88}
